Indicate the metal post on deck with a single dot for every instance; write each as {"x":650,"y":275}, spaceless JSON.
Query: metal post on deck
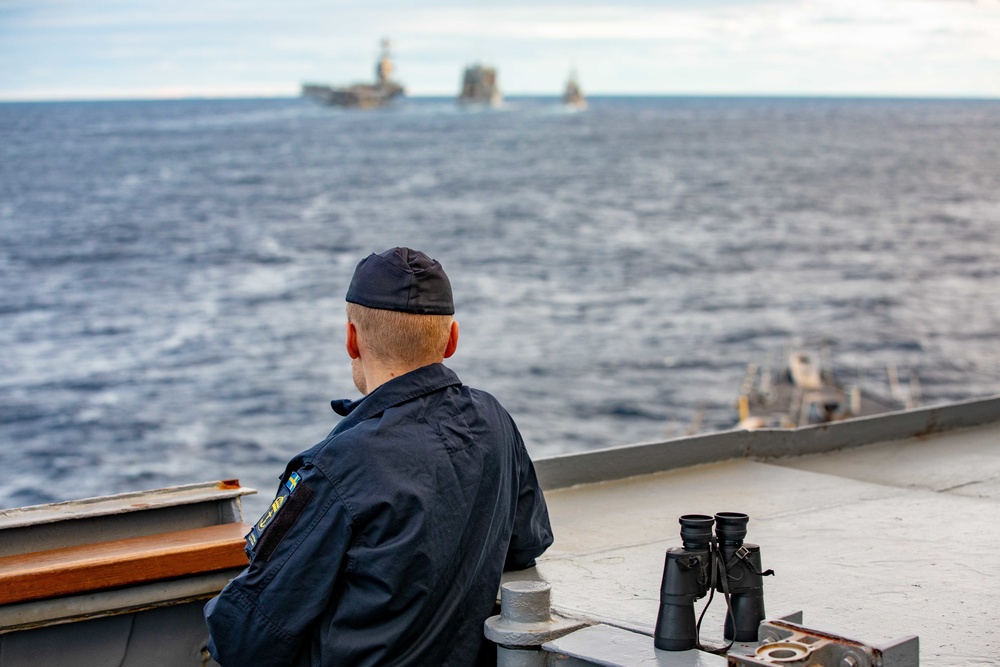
{"x":525,"y":623}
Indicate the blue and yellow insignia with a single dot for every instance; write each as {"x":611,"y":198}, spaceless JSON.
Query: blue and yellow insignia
{"x":265,"y":520}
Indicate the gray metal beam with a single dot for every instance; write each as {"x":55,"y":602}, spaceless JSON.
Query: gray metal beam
{"x":28,"y":615}
{"x":76,"y":522}
{"x":631,"y":460}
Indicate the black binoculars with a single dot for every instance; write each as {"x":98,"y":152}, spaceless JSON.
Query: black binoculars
{"x":724,"y":564}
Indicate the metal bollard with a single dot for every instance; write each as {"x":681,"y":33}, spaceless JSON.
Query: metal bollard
{"x":524,"y":624}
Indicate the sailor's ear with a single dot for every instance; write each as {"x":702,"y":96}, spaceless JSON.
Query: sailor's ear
{"x":352,"y":341}
{"x":452,"y":340}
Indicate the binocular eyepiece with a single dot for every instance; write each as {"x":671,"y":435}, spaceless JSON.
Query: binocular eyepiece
{"x":696,"y":531}
{"x":723,"y":563}
{"x":731,"y":527}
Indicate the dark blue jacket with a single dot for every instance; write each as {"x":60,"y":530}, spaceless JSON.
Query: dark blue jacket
{"x":386,"y":541}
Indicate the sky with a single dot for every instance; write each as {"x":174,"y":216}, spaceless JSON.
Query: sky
{"x":131,"y":49}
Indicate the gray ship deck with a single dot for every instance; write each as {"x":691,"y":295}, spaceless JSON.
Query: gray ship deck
{"x":877,"y":528}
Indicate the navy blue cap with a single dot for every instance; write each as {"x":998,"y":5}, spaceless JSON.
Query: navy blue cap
{"x":404,"y":280}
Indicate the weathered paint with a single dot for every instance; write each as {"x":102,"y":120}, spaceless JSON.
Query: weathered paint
{"x":157,"y":623}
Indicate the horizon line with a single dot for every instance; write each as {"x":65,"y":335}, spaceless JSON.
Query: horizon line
{"x":589,"y":96}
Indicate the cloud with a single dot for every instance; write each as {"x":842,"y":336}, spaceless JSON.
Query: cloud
{"x":923,"y":47}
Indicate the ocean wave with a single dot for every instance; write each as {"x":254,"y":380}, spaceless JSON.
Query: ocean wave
{"x":174,"y":271}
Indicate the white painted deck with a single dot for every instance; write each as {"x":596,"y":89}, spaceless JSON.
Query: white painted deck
{"x":880,"y":541}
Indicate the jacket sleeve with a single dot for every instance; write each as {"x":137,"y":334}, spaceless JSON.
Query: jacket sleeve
{"x":262,"y":617}
{"x":532,"y":533}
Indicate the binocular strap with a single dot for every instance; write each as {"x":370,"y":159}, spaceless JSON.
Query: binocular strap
{"x":716,"y":564}
{"x":721,"y":569}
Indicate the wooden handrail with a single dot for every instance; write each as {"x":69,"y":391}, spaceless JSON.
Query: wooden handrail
{"x":128,"y":562}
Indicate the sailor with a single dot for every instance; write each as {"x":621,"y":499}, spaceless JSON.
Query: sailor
{"x":386,"y":541}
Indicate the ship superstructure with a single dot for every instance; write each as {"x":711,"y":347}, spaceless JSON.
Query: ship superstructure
{"x":806,"y":392}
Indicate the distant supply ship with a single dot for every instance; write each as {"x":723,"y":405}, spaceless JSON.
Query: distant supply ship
{"x":361,"y":95}
{"x":573,"y":97}
{"x":479,"y":86}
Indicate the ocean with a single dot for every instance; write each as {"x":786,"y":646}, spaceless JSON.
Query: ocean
{"x":173,"y":272}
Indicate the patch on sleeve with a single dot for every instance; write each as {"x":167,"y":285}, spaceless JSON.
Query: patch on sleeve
{"x":270,"y":528}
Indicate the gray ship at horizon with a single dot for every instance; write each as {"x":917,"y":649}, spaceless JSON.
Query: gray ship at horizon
{"x":479,"y":87}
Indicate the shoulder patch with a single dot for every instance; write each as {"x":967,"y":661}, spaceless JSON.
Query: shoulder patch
{"x":272,"y":526}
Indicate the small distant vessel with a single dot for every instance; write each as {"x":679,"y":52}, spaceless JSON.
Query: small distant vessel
{"x":806,"y":393}
{"x":479,"y":86}
{"x":573,"y":97}
{"x":361,"y":95}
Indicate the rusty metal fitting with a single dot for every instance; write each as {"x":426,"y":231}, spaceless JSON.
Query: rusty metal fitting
{"x":789,"y":644}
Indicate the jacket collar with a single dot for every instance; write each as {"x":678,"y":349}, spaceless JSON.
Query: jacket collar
{"x":416,"y":383}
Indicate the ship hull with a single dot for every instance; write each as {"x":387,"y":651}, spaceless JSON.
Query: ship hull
{"x":355,"y":97}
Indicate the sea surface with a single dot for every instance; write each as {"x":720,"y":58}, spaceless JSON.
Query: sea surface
{"x":173,"y":272}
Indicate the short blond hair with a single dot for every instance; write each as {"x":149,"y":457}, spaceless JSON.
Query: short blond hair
{"x":401,"y":338}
